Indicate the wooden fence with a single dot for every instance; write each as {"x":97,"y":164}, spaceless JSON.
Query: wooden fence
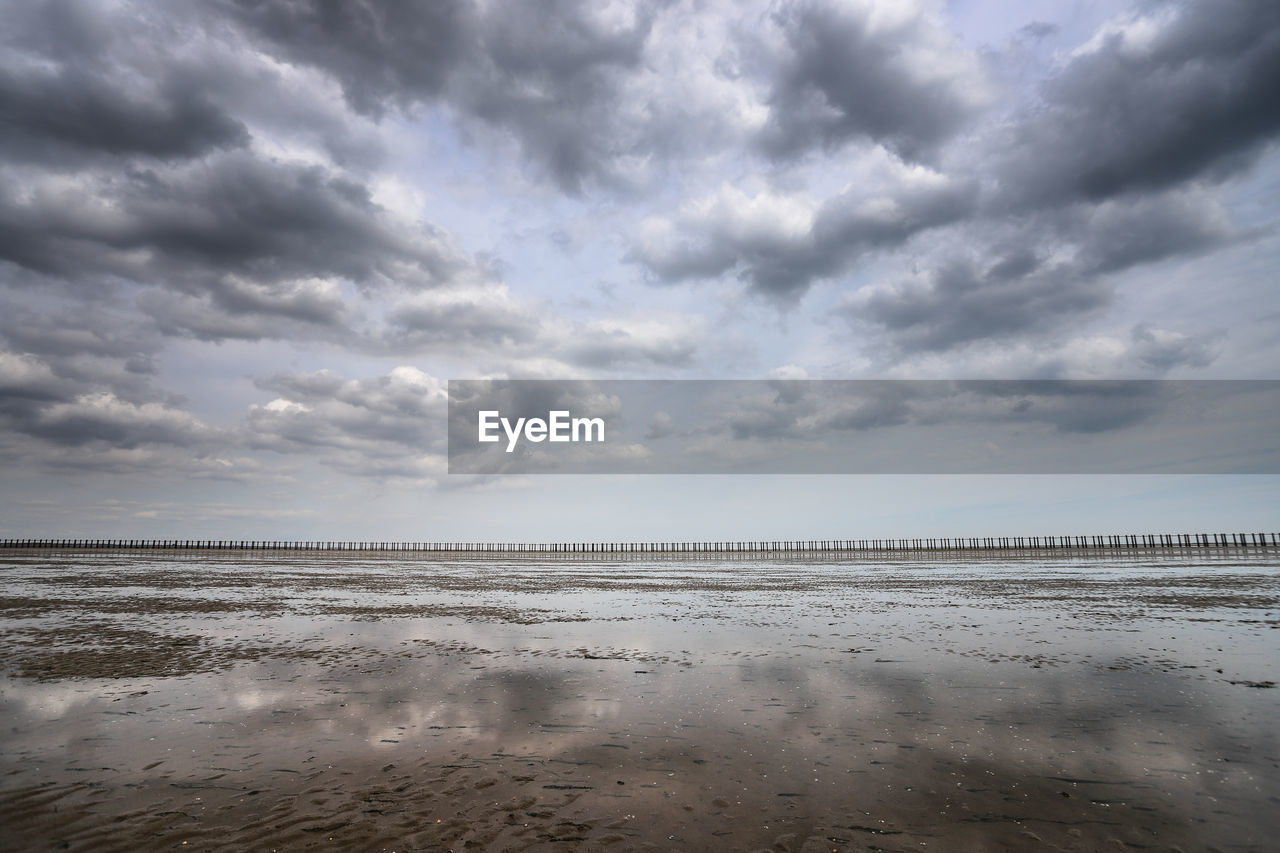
{"x":1144,"y":541}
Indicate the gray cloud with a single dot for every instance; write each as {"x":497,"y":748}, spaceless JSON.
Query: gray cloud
{"x":79,"y":110}
{"x":405,"y":392}
{"x":1186,"y":93}
{"x":381,"y":54}
{"x":232,"y":247}
{"x":665,"y":342}
{"x":264,"y":220}
{"x":106,"y":419}
{"x":78,"y":392}
{"x":1047,"y":273}
{"x":1119,"y":234}
{"x":612,"y":351}
{"x":57,"y":352}
{"x":238,"y":310}
{"x":80,"y":79}
{"x":962,"y":299}
{"x":1162,"y":350}
{"x":84,"y":82}
{"x":26,"y":382}
{"x":660,"y":426}
{"x":818,"y":411}
{"x":549,"y":74}
{"x":55,"y":417}
{"x":1038,"y":30}
{"x":806,"y":411}
{"x":893,"y":77}
{"x":387,"y":427}
{"x":780,"y":247}
{"x":486,"y":319}
{"x":1142,"y":351}
{"x":304,"y":387}
{"x":70,"y":330}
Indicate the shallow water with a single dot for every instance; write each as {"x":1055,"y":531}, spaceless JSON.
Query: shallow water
{"x":412,"y":702}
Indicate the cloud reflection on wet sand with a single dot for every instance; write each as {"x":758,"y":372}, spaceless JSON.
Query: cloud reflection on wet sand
{"x":859,"y":708}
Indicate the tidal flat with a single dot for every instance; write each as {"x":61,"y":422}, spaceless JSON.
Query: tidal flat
{"x":954,"y":702}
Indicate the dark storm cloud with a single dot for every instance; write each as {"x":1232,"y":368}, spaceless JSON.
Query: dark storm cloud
{"x":77,"y":329}
{"x":1187,"y":95}
{"x":846,"y":75}
{"x":282,"y":311}
{"x":1116,"y":235}
{"x":269,"y":220}
{"x":84,"y":82}
{"x":77,"y":109}
{"x":964,"y":299}
{"x":382,"y":54}
{"x":550,"y":74}
{"x":1049,"y":272}
{"x":75,"y":81}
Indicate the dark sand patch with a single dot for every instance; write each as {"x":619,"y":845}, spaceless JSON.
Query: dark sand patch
{"x":102,"y":651}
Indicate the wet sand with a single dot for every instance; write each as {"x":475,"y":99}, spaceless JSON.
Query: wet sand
{"x":931,"y":702}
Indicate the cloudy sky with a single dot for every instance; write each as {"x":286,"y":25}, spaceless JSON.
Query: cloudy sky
{"x":244,"y":245}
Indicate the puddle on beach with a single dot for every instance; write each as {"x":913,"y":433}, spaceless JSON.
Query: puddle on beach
{"x":945,"y":703}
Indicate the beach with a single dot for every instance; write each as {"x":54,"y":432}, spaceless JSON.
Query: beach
{"x":970,"y":702}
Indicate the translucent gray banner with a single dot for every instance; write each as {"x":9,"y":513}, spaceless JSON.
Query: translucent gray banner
{"x":617,"y":426}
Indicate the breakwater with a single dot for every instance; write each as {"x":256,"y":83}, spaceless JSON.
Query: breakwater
{"x":1132,"y":542}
